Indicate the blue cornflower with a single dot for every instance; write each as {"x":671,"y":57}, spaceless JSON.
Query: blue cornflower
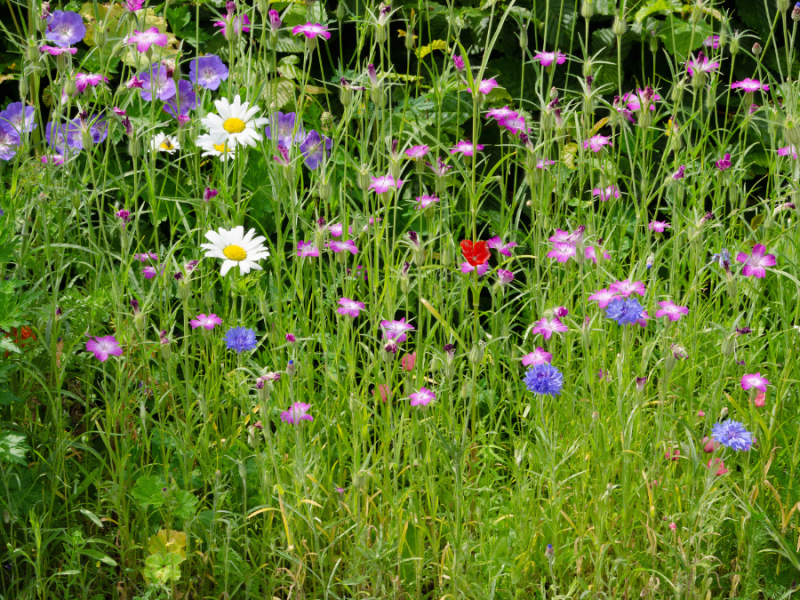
{"x":624,"y":311}
{"x":544,"y":379}
{"x":240,"y":339}
{"x":733,"y":435}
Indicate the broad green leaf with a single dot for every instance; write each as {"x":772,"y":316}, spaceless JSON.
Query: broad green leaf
{"x":186,"y":504}
{"x":148,"y":491}
{"x":13,"y":448}
{"x":278,"y":93}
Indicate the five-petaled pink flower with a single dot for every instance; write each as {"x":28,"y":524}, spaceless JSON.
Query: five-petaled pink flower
{"x":103,"y":347}
{"x":312,"y":30}
{"x":53,"y":51}
{"x":548,"y":328}
{"x":307,"y":249}
{"x":591,"y":254}
{"x":701,"y":65}
{"x":496,"y":243}
{"x":754,"y":380}
{"x":604,"y":297}
{"x":562,"y":251}
{"x":785,"y":151}
{"x":297,"y":412}
{"x":468,"y":268}
{"x":466,"y":148}
{"x":548,"y":58}
{"x":755,"y":264}
{"x":537,"y":357}
{"x":83,"y":80}
{"x":485,"y":86}
{"x":350,"y":307}
{"x":504,"y":277}
{"x":596,"y":143}
{"x":425,"y":201}
{"x":659,"y":226}
{"x":626,"y":288}
{"x":145,"y":39}
{"x":607,"y":193}
{"x":348,"y":245}
{"x":396,"y":330}
{"x":422,"y":398}
{"x":385,"y":183}
{"x":206,"y":321}
{"x":502,"y":113}
{"x":417,"y":152}
{"x":724,"y":163}
{"x":671,"y":310}
{"x":749,"y":85}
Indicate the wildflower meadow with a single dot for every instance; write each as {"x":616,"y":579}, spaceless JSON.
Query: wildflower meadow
{"x":442,"y":299}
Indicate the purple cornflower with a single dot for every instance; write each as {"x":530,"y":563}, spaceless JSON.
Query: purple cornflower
{"x":548,"y":328}
{"x":240,"y":339}
{"x":537,"y":357}
{"x":546,"y":59}
{"x":396,"y":330}
{"x":596,"y":143}
{"x":9,"y":142}
{"x":306,"y":249}
{"x":604,"y":297}
{"x":701,"y":65}
{"x":749,"y":85}
{"x":385,"y":183}
{"x":671,"y":310}
{"x":347,"y":245}
{"x":350,"y":307}
{"x":208,"y":71}
{"x":183,"y":101}
{"x":724,"y":163}
{"x":733,"y":435}
{"x":205,"y":321}
{"x":624,"y":311}
{"x":466,"y":148}
{"x":755,"y":264}
{"x":611,"y":191}
{"x":156,"y":83}
{"x":544,"y":379}
{"x":659,"y":226}
{"x":424,"y":202}
{"x":417,"y":152}
{"x":103,"y":347}
{"x":754,"y":380}
{"x":422,"y":398}
{"x":312,"y":30}
{"x":65,"y":28}
{"x":626,"y":288}
{"x":282,"y":127}
{"x":496,"y":243}
{"x":314,"y":148}
{"x":468,"y":268}
{"x":562,"y":251}
{"x":18,"y":118}
{"x":145,"y":39}
{"x":297,"y":412}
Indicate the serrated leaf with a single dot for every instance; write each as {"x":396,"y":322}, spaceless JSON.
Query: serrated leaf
{"x":569,"y":154}
{"x":278,"y":93}
{"x":186,"y":504}
{"x":679,"y":38}
{"x":8,"y":345}
{"x":148,"y":491}
{"x":434,"y":45}
{"x":13,"y":448}
{"x":162,"y":568}
{"x":168,"y":541}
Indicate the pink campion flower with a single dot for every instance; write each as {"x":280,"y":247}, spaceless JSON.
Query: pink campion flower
{"x":54,"y":51}
{"x":145,"y":256}
{"x":596,"y":143}
{"x":134,"y":5}
{"x":422,"y":398}
{"x":82,"y":81}
{"x":396,"y":330}
{"x":119,"y":112}
{"x":336,"y":229}
{"x":485,"y":86}
{"x":753,"y":108}
{"x":543,"y":163}
{"x":312,"y":30}
{"x":297,"y":412}
{"x":591,"y":254}
{"x":240,"y":24}
{"x":424,"y":202}
{"x":408,"y":361}
{"x":504,"y":277}
{"x":515,"y":125}
{"x":604,"y":297}
{"x":348,"y":245}
{"x":307,"y":249}
{"x":466,"y":148}
{"x":679,"y":174}
{"x":103,"y":347}
{"x":673,"y":456}
{"x":626,"y":288}
{"x":719,"y":465}
{"x":562,"y":252}
{"x":537,"y":357}
{"x":701,"y":65}
{"x":134,"y":83}
{"x":56,"y":159}
{"x":642,"y":320}
{"x":607,"y":193}
{"x":145,"y":39}
{"x":659,"y":226}
{"x":291,"y":338}
{"x":573,"y":237}
{"x":671,"y":310}
{"x":205,"y":321}
{"x":724,"y":163}
{"x":561,"y":311}
{"x":496,"y":243}
{"x":634,"y":100}
{"x":458,"y":63}
{"x":385,"y":183}
{"x":711,"y":41}
{"x":548,"y":58}
{"x":755,"y":264}
{"x":417,"y":152}
{"x":548,"y":328}
{"x":760,"y":399}
{"x":350,"y":308}
{"x":468,"y":268}
{"x":502,"y":113}
{"x":754,"y":380}
{"x":749,"y":85}
{"x":787,"y":150}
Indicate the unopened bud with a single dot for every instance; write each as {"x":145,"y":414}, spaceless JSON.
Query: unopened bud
{"x":782,"y":5}
{"x":100,"y":37}
{"x":476,"y":354}
{"x":341,"y":11}
{"x":756,"y":49}
{"x":735,"y":45}
{"x":796,"y":12}
{"x":587,"y":9}
{"x":620,"y":27}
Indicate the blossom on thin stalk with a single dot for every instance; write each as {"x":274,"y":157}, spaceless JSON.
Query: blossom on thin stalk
{"x":385,"y":183}
{"x":157,"y":84}
{"x":396,"y":330}
{"x":240,"y":339}
{"x":749,"y":85}
{"x":627,"y":287}
{"x":754,"y":381}
{"x":65,"y":28}
{"x":314,"y":148}
{"x":18,"y":119}
{"x":548,"y":327}
{"x":544,"y":379}
{"x":671,"y":310}
{"x":755,"y":265}
{"x":422,"y":398}
{"x":145,"y":39}
{"x":307,"y":249}
{"x":611,"y":191}
{"x":732,"y":434}
{"x":625,"y":311}
{"x":350,"y":308}
{"x":103,"y":347}
{"x":658,"y":226}
{"x":466,"y":148}
{"x":205,"y":321}
{"x":345,"y":246}
{"x":496,"y":243}
{"x":425,"y":201}
{"x":297,"y":412}
{"x":604,"y":297}
{"x":281,"y":127}
{"x":538,"y":357}
{"x":546,"y":59}
{"x":597,"y":143}
{"x":208,"y":71}
{"x":312,"y":30}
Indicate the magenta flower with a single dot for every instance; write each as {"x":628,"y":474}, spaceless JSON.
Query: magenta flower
{"x":788,"y":149}
{"x":134,"y":5}
{"x":103,"y":347}
{"x":755,"y":264}
{"x":350,"y":307}
{"x":591,"y":254}
{"x":422,"y":398}
{"x":754,"y":380}
{"x":385,"y":183}
{"x":205,"y":321}
{"x":514,"y":125}
{"x":659,"y":226}
{"x":134,"y":83}
{"x":635,"y":100}
{"x":297,"y":412}
{"x":145,"y":39}
{"x":485,"y":86}
{"x":468,"y":268}
{"x":145,"y":256}
{"x":53,"y":51}
{"x":562,"y":252}
{"x":679,"y":174}
{"x":596,"y":143}
{"x":626,"y":288}
{"x":458,"y":62}
{"x":504,"y":277}
{"x":336,"y":229}
{"x":568,"y":237}
{"x":466,"y":148}
{"x":348,"y":245}
{"x":607,"y":193}
{"x":724,"y":163}
{"x":396,"y":330}
{"x":537,"y":357}
{"x":312,"y":30}
{"x":499,"y":114}
{"x":544,"y":163}
{"x":496,"y":243}
{"x":307,"y":249}
{"x":424,"y":202}
{"x":417,"y":152}
{"x":642,"y":320}
{"x":749,"y":85}
{"x":701,"y":65}
{"x":711,"y":41}
{"x":604,"y":297}
{"x":239,"y":24}
{"x":82,"y":81}
{"x":150,"y":272}
{"x":671,"y":310}
{"x":548,"y":58}
{"x":56,"y":159}
{"x":561,"y":311}
{"x":548,"y":328}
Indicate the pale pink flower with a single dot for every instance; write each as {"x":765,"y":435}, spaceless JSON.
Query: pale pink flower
{"x":205,"y":321}
{"x":604,"y":297}
{"x":597,"y":142}
{"x":496,"y":243}
{"x":626,"y":288}
{"x":537,"y":357}
{"x":145,"y":39}
{"x":103,"y":347}
{"x":422,"y":398}
{"x":607,"y":193}
{"x":659,"y":226}
{"x":548,"y":58}
{"x":671,"y":310}
{"x":385,"y":183}
{"x":548,"y":328}
{"x":562,"y":252}
{"x":466,"y":148}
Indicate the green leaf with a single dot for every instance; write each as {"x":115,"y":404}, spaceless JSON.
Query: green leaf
{"x":186,"y":504}
{"x":656,"y":6}
{"x":162,"y":568}
{"x":13,"y":448}
{"x":148,"y":491}
{"x":94,"y":554}
{"x":678,"y":38}
{"x":7,"y":397}
{"x":278,"y":93}
{"x":92,"y":517}
{"x":7,"y":345}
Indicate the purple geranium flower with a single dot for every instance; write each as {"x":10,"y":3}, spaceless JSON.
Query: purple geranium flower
{"x":208,"y":71}
{"x":9,"y":142}
{"x":183,"y":101}
{"x":103,"y":347}
{"x":283,"y":127}
{"x":18,"y":118}
{"x":314,"y":147}
{"x":349,"y":307}
{"x":755,"y":264}
{"x":65,"y":28}
{"x":156,"y":83}
{"x":145,"y":39}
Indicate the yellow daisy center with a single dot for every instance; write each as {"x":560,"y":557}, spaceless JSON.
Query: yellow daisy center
{"x":233,"y":125}
{"x":166,"y":145}
{"x":234,"y":252}
{"x":221,"y":148}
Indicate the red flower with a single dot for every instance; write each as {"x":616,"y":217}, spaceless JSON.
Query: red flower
{"x":476,"y":253}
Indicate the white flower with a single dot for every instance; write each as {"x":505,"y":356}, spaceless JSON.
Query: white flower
{"x":162,"y":142}
{"x":236,"y":249}
{"x":206,"y":143}
{"x":235,"y":124}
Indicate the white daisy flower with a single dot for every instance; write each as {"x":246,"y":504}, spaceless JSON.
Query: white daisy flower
{"x":162,"y":142}
{"x":206,"y":143}
{"x":236,"y":249}
{"x":235,"y":124}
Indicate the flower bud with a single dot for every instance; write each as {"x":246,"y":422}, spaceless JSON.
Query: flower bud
{"x":796,"y":12}
{"x":23,"y":86}
{"x":364,"y":180}
{"x":620,"y":27}
{"x":100,"y":37}
{"x":587,"y":9}
{"x":341,"y":11}
{"x":697,"y":12}
{"x":735,"y":44}
{"x":782,"y":5}
{"x":723,"y":36}
{"x":476,"y":354}
{"x":729,"y":345}
{"x":756,"y":49}
{"x":523,"y":38}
